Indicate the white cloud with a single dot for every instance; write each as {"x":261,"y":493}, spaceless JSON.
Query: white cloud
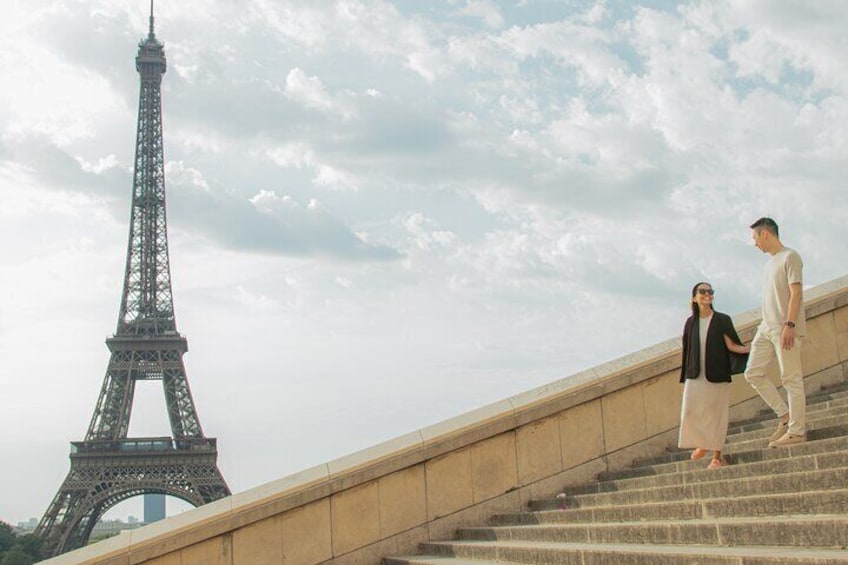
{"x":807,"y":38}
{"x":381,"y":32}
{"x":759,"y":57}
{"x":64,"y":115}
{"x":45,"y":94}
{"x":178,"y":172}
{"x":102,"y":164}
{"x":299,"y":155}
{"x":254,"y":301}
{"x":291,"y":155}
{"x":311,"y":92}
{"x":268,"y":201}
{"x":308,"y":90}
{"x":425,"y":234}
{"x":331,"y":177}
{"x":576,"y":46}
{"x":303,"y":24}
{"x":427,"y":62}
{"x":486,"y":10}
{"x":523,"y":111}
{"x":206,"y":142}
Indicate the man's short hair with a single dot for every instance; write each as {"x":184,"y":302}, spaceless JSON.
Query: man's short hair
{"x":768,"y":224}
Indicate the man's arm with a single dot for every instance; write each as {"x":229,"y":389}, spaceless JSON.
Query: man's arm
{"x":787,"y":336}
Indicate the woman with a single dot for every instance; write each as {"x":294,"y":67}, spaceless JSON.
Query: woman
{"x":708,"y":340}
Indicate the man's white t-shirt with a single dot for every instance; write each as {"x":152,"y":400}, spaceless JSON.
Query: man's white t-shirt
{"x":783,"y":269}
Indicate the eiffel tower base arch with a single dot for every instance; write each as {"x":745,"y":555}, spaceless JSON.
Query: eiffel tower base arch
{"x":105,"y":473}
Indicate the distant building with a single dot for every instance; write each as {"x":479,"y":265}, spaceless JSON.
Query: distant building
{"x":102,"y":529}
{"x":108,"y":528}
{"x":154,"y":508}
{"x":26,"y":527}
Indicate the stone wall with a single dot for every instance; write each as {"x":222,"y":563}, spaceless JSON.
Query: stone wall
{"x":422,"y":486}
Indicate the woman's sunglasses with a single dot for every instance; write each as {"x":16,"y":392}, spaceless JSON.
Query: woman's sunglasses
{"x":707,"y":291}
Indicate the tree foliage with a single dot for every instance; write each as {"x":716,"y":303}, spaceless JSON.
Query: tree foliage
{"x":7,"y":537}
{"x":18,"y":550}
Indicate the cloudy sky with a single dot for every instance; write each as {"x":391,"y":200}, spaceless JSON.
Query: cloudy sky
{"x":385,"y":213}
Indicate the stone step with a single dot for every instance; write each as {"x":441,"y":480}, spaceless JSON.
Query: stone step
{"x":786,"y":506}
{"x":816,"y":430}
{"x":812,"y":462}
{"x":432,"y":560}
{"x":769,"y":421}
{"x":815,"y":420}
{"x":680,"y":461}
{"x":820,"y":531}
{"x":843,"y":385}
{"x":825,"y":479}
{"x":836,"y":392}
{"x":552,"y":553}
{"x":831,"y":408}
{"x":760,"y":505}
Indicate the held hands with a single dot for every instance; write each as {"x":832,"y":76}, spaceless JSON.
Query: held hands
{"x":787,"y":338}
{"x":735,"y":347}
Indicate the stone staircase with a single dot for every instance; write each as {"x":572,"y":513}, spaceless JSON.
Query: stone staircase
{"x":769,"y":506}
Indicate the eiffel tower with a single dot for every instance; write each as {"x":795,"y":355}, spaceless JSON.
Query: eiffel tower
{"x":109,"y":467}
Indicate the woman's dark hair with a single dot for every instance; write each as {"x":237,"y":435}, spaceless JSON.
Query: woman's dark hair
{"x":695,"y":310}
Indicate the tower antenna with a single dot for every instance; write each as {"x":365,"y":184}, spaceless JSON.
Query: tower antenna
{"x":151,"y":18}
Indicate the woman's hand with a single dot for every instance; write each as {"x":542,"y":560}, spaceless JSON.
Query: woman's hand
{"x":735,"y":347}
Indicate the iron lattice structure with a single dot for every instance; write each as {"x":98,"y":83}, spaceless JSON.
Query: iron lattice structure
{"x":109,"y":467}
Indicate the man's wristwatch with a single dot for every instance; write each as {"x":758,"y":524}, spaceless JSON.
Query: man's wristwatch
{"x":790,"y":324}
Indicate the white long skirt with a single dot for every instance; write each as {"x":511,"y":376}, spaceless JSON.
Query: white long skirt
{"x":704,"y":414}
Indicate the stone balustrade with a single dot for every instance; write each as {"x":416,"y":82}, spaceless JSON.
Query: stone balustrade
{"x":424,"y":485}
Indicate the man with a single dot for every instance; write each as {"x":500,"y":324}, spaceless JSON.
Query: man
{"x":778,"y":336}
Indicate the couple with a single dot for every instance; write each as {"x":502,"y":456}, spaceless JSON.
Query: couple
{"x":709,"y":339}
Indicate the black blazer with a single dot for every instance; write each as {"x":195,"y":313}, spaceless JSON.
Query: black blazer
{"x":718,"y":357}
